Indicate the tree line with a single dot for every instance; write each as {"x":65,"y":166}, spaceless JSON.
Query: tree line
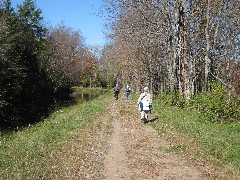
{"x":185,"y":47}
{"x":39,"y":63}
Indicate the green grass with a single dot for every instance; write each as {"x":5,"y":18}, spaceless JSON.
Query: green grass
{"x":94,"y":91}
{"x":218,"y":143}
{"x":28,"y":152}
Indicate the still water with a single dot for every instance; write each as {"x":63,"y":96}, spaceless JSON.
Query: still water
{"x":27,"y":114}
{"x":78,"y":98}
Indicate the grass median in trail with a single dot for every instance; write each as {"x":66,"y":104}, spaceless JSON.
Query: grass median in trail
{"x":55,"y":147}
{"x":209,"y":142}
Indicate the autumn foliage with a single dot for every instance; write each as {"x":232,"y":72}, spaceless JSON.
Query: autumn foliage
{"x":38,"y":64}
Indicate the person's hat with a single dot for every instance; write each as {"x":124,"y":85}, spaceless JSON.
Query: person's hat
{"x":145,"y":89}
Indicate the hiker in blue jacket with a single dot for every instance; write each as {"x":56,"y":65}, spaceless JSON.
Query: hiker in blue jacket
{"x":127,"y":92}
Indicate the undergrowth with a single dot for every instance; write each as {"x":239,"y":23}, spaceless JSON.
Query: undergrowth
{"x":217,"y":105}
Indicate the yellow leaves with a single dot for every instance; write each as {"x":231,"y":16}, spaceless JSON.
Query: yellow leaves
{"x":195,"y":13}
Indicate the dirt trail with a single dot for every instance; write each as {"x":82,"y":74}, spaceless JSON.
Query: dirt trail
{"x":135,"y":151}
{"x":116,"y":161}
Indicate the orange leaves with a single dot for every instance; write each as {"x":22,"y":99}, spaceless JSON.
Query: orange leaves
{"x":89,"y":63}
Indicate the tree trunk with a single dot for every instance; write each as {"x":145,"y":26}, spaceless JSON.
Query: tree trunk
{"x":207,"y":55}
{"x":184,"y":76}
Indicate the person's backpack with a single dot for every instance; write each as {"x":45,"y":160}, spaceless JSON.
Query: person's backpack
{"x":116,"y":89}
{"x":146,"y":105}
{"x":128,"y":89}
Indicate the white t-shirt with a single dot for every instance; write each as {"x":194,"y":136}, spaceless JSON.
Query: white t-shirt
{"x":146,"y":99}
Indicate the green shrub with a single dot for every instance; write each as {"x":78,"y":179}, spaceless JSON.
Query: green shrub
{"x":215,"y":106}
{"x":173,"y":99}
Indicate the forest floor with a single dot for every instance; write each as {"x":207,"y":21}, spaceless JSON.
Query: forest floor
{"x":135,"y":151}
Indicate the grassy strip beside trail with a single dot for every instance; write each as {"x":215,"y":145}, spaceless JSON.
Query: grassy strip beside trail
{"x":90,"y":91}
{"x":47,"y":149}
{"x":213,"y":142}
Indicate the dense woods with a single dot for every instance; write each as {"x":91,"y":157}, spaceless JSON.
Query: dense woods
{"x":184,"y":47}
{"x":188,"y":49}
{"x":176,"y":45}
{"x":38,"y":64}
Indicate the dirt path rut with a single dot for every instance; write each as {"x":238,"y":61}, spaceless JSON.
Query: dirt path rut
{"x":116,"y":160}
{"x":135,"y":151}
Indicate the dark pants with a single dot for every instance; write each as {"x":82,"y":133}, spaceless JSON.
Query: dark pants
{"x":127,"y":95}
{"x":116,"y":95}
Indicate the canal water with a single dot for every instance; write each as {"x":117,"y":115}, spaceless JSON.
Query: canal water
{"x":47,"y":106}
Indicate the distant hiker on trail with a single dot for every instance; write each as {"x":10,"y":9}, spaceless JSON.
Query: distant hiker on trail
{"x":116,"y":92}
{"x":127,"y":92}
{"x":145,"y":104}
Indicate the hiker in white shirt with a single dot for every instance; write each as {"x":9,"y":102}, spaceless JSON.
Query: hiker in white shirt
{"x":145,"y":104}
